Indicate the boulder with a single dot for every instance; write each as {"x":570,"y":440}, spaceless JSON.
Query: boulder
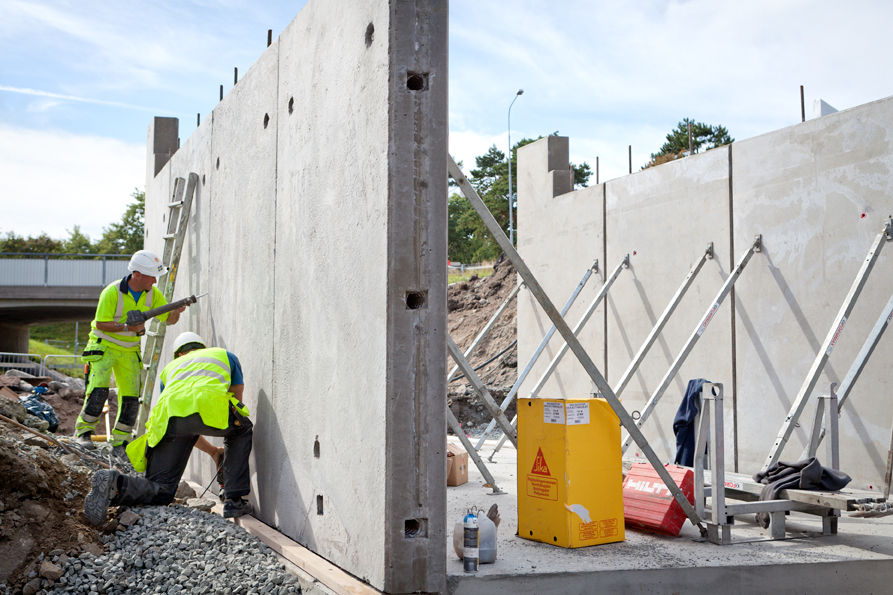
{"x":202,"y":504}
{"x":50,"y":571}
{"x":13,"y":410}
{"x":128,"y":517}
{"x":185,"y":492}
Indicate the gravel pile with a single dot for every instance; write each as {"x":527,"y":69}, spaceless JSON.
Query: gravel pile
{"x":169,"y":549}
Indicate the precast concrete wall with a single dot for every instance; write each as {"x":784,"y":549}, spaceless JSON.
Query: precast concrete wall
{"x":560,"y":237}
{"x":319,"y":229}
{"x":818,"y":193}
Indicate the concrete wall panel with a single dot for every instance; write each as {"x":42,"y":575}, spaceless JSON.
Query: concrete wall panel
{"x":320,"y":232}
{"x":559,"y":237}
{"x":664,"y":218}
{"x":819,"y":193}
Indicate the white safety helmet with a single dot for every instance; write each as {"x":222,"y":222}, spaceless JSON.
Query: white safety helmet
{"x":147,"y":263}
{"x":185,"y":339}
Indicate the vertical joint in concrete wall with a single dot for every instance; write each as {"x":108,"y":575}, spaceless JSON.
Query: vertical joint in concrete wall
{"x":163,"y":142}
{"x":415,"y":508}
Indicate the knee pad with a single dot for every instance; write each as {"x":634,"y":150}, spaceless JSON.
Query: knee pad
{"x":130,"y":407}
{"x":97,"y":398}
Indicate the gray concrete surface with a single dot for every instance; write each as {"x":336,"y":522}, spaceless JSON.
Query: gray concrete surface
{"x":818,"y":192}
{"x":859,"y":559}
{"x":560,"y":234}
{"x":319,"y":230}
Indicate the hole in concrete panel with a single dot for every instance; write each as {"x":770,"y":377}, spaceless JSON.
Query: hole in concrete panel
{"x":203,"y":179}
{"x":370,"y":34}
{"x":218,"y":163}
{"x":316,"y":447}
{"x":266,"y":120}
{"x":163,"y":217}
{"x":291,"y":105}
{"x":531,"y":532}
{"x":416,"y":300}
{"x":554,"y":539}
{"x":413,"y":528}
{"x":416,"y":81}
{"x":319,"y":505}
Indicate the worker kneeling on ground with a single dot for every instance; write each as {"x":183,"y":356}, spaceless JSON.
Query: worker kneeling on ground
{"x":115,"y":346}
{"x":201,"y":394}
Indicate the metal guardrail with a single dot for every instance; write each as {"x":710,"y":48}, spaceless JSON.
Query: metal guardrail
{"x":48,"y":269}
{"x":34,"y":364}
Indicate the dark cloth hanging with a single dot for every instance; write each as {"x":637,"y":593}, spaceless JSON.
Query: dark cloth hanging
{"x":807,"y":474}
{"x":684,"y":423}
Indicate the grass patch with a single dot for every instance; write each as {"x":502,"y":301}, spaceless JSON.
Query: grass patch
{"x":61,"y":332}
{"x":43,"y":350}
{"x":481,"y":273}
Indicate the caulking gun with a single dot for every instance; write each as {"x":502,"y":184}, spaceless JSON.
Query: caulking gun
{"x":135,"y":317}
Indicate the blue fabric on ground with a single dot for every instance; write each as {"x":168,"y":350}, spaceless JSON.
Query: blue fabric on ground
{"x":684,"y":422}
{"x":37,"y":407}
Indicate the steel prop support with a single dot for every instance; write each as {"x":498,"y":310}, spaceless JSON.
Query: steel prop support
{"x":486,"y":330}
{"x":533,"y":359}
{"x":668,"y":312}
{"x":553,"y":365}
{"x":457,"y":430}
{"x":693,"y":339}
{"x":575,"y":346}
{"x":481,"y":390}
{"x":828,"y":344}
{"x":852,"y":376}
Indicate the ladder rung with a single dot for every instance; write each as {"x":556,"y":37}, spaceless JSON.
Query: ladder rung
{"x":151,"y":334}
{"x":169,"y":236}
{"x":175,"y":204}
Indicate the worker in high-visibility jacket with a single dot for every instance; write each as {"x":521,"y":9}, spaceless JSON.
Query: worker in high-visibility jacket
{"x":201,"y":396}
{"x":114,"y":346}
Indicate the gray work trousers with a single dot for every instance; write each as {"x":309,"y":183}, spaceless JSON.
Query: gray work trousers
{"x":167,"y":461}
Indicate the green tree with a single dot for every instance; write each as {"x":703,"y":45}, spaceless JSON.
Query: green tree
{"x":703,"y":136}
{"x":77,"y":242}
{"x":127,"y":236}
{"x":12,"y":242}
{"x":468,"y":238}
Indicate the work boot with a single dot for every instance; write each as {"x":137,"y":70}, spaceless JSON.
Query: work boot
{"x":235,"y":508}
{"x":104,"y":487}
{"x":85,"y":440}
{"x":120,"y":452}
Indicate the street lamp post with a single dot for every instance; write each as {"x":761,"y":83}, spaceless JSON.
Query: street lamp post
{"x":511,"y":220}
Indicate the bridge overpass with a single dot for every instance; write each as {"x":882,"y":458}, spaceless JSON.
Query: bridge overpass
{"x":47,"y":288}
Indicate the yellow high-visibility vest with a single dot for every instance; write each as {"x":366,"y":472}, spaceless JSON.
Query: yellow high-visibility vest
{"x":197,"y":382}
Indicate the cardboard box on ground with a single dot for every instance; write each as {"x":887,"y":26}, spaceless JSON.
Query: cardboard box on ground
{"x":457,"y":465}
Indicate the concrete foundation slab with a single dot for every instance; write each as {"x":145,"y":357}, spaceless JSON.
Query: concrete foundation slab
{"x":859,"y":559}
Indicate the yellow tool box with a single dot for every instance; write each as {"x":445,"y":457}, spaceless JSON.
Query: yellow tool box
{"x":570,"y":472}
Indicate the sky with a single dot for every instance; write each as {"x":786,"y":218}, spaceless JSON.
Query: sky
{"x":80,"y":81}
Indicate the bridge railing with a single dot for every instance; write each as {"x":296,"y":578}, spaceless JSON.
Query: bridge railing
{"x":50,"y":270}
{"x":34,"y":364}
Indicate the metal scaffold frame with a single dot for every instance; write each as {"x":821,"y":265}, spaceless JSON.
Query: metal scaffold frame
{"x":693,"y":339}
{"x":812,"y":377}
{"x":572,"y":341}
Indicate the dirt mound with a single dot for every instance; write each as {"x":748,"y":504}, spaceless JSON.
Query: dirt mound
{"x":41,"y":496}
{"x":470,"y":305}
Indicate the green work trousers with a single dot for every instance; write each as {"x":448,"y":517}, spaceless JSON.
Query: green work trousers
{"x":127,"y":366}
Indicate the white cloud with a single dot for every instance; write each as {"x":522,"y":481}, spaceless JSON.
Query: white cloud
{"x":51,"y":181}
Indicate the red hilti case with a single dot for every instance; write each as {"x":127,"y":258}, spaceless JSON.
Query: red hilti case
{"x":648,"y":504}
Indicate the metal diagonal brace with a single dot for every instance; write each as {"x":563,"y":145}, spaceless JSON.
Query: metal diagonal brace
{"x":668,"y":312}
{"x":457,"y":430}
{"x":553,"y":365}
{"x":481,"y":390}
{"x":533,"y":359}
{"x":696,"y":334}
{"x":587,"y":363}
{"x":852,"y":376}
{"x":812,"y":377}
{"x":486,"y":330}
